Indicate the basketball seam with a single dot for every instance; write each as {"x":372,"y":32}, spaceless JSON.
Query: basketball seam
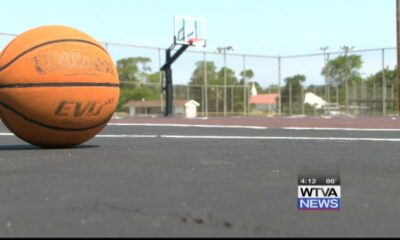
{"x":5,"y":121}
{"x":10,"y":128}
{"x":48,"y":43}
{"x":60,"y":84}
{"x":5,"y":49}
{"x":28,"y":119}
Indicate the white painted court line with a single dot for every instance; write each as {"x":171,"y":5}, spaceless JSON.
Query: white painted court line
{"x":283,"y":138}
{"x":6,"y":134}
{"x":125,"y":136}
{"x":344,"y":129}
{"x":242,"y":137}
{"x":106,"y":135}
{"x":186,"y":125}
{"x":257,"y":127}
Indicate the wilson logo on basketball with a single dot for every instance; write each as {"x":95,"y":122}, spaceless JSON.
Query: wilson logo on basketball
{"x":70,"y":62}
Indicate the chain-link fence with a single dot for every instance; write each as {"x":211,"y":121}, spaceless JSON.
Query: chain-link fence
{"x":346,"y":81}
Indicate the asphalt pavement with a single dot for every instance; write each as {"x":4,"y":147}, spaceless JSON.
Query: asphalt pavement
{"x":160,"y":181}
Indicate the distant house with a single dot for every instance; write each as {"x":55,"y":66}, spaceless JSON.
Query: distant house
{"x":265,"y":102}
{"x":314,"y":100}
{"x":186,"y":108}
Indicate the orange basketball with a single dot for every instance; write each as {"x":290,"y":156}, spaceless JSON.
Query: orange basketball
{"x":58,"y":86}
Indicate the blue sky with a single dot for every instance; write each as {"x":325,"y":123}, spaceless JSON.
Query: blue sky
{"x":270,"y":27}
{"x":257,"y":26}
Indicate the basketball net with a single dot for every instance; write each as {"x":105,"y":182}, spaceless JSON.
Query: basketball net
{"x":198,"y":43}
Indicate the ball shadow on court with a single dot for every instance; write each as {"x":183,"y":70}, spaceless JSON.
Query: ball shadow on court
{"x":20,"y":147}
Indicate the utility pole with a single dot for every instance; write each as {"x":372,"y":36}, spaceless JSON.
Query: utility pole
{"x":383,"y":84}
{"x":224,"y":50}
{"x":326,"y":74}
{"x":279,"y":86}
{"x":346,"y":50}
{"x":205,"y":84}
{"x":398,"y":51}
{"x":245,"y":98}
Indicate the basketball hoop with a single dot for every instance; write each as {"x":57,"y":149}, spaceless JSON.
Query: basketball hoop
{"x":198,"y":43}
{"x":190,"y":31}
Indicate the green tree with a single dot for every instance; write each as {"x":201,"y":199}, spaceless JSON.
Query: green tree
{"x":231,"y":79}
{"x":198,"y":73}
{"x":232,"y":92}
{"x":132,"y":72}
{"x":342,"y":67}
{"x":249,"y":74}
{"x":216,"y":77}
{"x":133,"y":69}
{"x":292,"y":91}
{"x":377,"y":78}
{"x":296,"y":81}
{"x":153,"y":78}
{"x":273,"y":88}
{"x":374,"y":87}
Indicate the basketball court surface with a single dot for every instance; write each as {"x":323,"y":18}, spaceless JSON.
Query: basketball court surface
{"x":215,"y":177}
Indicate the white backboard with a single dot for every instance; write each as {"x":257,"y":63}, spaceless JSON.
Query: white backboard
{"x":190,"y":31}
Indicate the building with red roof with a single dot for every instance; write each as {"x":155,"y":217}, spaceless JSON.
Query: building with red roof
{"x":265,"y":102}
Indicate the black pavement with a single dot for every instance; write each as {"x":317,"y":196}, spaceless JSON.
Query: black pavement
{"x":155,"y":186}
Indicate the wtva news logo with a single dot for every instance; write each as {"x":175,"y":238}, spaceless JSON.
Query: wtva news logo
{"x":318,"y":193}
